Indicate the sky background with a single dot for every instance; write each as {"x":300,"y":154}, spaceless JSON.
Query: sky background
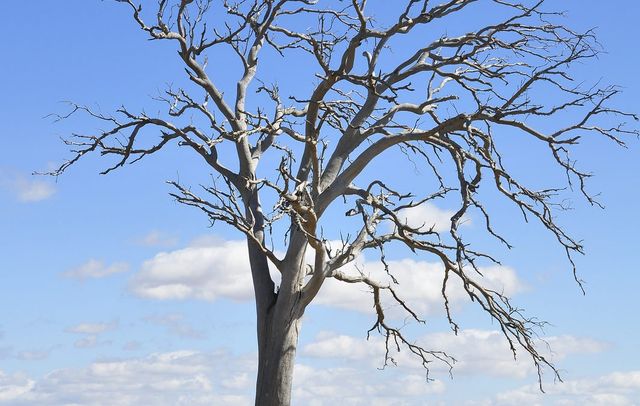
{"x":80,"y":256}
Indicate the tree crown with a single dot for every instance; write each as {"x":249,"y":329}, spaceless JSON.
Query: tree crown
{"x":358,"y":83}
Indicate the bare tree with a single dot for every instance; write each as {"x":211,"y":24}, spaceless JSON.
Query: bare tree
{"x":414,"y":79}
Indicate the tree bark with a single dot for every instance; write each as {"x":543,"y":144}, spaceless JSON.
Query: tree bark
{"x":276,"y":355}
{"x":279,"y":316}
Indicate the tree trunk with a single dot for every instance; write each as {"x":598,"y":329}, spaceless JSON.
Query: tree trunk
{"x":277,"y":356}
{"x":279,"y":315}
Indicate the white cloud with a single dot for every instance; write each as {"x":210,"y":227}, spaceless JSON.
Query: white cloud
{"x":92,"y":328}
{"x":26,"y":189}
{"x":486,"y":352}
{"x":210,"y":268}
{"x":33,"y":190}
{"x":157,"y":238}
{"x":351,"y":386}
{"x":14,"y":386}
{"x":96,"y":269}
{"x":614,"y":389}
{"x":419,"y":284}
{"x":562,"y":346}
{"x":478,"y":352}
{"x":240,"y":381}
{"x":206,"y":270}
{"x":216,"y":378}
{"x":428,"y":216}
{"x":177,"y":378}
{"x":330,"y":345}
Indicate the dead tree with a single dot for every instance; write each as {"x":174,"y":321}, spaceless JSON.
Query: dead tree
{"x":404,"y":75}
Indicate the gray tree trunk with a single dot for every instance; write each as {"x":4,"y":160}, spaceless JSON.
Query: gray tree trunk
{"x":279,"y":316}
{"x":276,"y":362}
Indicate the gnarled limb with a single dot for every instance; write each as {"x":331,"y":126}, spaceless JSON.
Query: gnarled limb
{"x":444,"y":104}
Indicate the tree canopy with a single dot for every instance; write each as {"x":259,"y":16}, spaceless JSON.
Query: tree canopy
{"x":323,"y":93}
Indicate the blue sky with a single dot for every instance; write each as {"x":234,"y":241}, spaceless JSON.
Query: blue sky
{"x":80,"y":326}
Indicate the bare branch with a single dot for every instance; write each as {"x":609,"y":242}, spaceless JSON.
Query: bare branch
{"x":444,"y":101}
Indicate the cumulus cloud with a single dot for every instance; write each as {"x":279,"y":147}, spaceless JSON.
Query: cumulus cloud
{"x":564,"y":345}
{"x":331,"y":345}
{"x":614,"y":389}
{"x":478,"y":352}
{"x":242,"y":380}
{"x":96,"y":269}
{"x":206,"y":270}
{"x":428,"y":216}
{"x":14,"y":386}
{"x":209,"y":269}
{"x":350,"y":386}
{"x":175,"y":378}
{"x":207,"y":378}
{"x":419,"y":284}
{"x":219,"y":378}
{"x":487,"y":351}
{"x":26,"y":189}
